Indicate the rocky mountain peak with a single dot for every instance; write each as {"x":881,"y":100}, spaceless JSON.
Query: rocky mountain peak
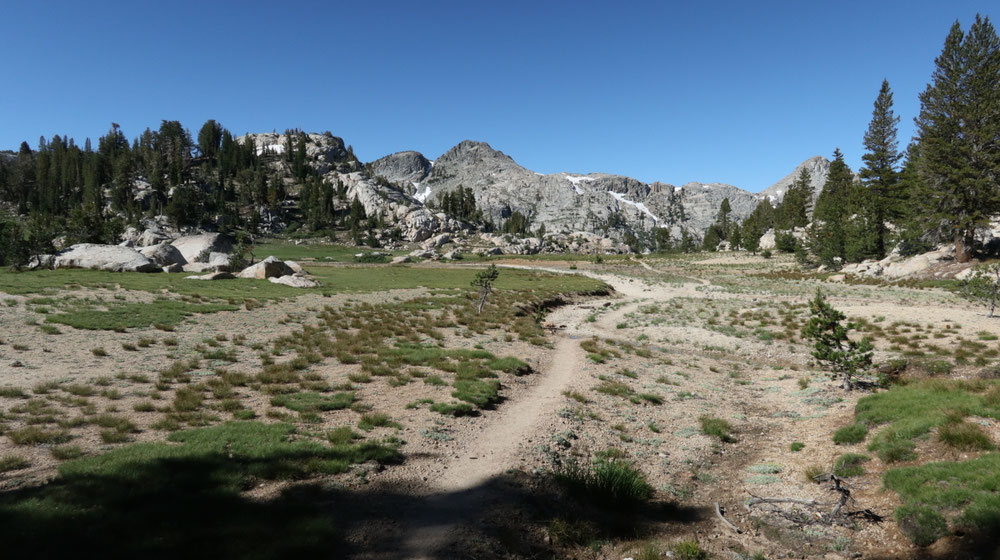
{"x":818,"y":167}
{"x":471,"y":151}
{"x":402,"y":168}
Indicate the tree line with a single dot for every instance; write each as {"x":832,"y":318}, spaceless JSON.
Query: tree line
{"x":944,"y":187}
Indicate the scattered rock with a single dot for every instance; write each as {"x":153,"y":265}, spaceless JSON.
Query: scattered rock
{"x":401,"y":260}
{"x":174,"y":268}
{"x":295,"y":281}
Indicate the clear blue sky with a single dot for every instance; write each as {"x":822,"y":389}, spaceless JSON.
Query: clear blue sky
{"x":737,"y":92}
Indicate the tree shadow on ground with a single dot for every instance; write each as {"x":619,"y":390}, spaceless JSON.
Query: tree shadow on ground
{"x":199,"y":508}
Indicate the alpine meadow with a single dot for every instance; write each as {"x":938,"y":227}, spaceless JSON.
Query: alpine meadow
{"x":285,"y":343}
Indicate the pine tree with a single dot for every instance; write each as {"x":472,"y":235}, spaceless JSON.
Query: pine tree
{"x":880,"y":175}
{"x":958,"y":131}
{"x":829,"y":232}
{"x":722,"y":219}
{"x":794,"y":209}
{"x":209,"y":138}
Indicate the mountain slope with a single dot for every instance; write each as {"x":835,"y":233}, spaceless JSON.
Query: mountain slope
{"x":612,"y":205}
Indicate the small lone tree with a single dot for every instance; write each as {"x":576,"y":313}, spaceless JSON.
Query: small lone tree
{"x":832,"y":345}
{"x":983,"y":286}
{"x":484,"y":281}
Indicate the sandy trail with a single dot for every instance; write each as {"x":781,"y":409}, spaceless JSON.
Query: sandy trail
{"x":458,"y":493}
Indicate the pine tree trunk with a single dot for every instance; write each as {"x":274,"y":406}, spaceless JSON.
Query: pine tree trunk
{"x":963,"y":248}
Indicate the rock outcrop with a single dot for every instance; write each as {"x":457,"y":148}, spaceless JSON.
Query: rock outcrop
{"x":104,"y":257}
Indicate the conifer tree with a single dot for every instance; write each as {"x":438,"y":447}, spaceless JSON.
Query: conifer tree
{"x":830,"y":219}
{"x":959,"y":134}
{"x":794,"y":209}
{"x":880,"y":175}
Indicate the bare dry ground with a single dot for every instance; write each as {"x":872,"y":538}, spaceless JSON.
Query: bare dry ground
{"x":624,"y":376}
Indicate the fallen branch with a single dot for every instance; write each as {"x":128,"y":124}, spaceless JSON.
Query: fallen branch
{"x":718,"y":512}
{"x":759,"y":500}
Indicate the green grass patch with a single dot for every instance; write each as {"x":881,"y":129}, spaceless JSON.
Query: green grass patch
{"x":850,"y":464}
{"x":717,"y":427}
{"x":909,"y":411}
{"x":965,"y":491}
{"x":615,"y":485}
{"x":855,"y":433}
{"x":160,"y":311}
{"x":964,"y":436}
{"x":372,"y":420}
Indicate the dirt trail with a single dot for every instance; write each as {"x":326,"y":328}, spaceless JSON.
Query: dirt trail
{"x":458,"y":492}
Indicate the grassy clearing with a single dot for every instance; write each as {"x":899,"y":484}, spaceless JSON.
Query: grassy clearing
{"x":190,"y":491}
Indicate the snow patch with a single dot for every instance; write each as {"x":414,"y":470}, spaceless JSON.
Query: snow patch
{"x":637,"y":205}
{"x":421,"y":196}
{"x":576,"y":180}
{"x":273,"y":148}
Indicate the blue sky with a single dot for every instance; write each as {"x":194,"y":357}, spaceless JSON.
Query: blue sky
{"x":737,"y":92}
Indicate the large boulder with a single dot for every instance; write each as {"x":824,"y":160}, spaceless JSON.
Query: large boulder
{"x":152,"y":236}
{"x":164,"y":254}
{"x":199,"y":247}
{"x":104,"y":257}
{"x":270,"y":267}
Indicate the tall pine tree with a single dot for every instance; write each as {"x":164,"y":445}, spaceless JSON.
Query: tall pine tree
{"x":959,"y":134}
{"x":880,"y":175}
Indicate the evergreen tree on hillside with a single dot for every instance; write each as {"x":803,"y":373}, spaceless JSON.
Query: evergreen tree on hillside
{"x":209,"y":139}
{"x":959,"y":135}
{"x":880,"y":176}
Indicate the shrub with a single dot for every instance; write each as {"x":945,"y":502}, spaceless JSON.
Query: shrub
{"x":796,"y":446}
